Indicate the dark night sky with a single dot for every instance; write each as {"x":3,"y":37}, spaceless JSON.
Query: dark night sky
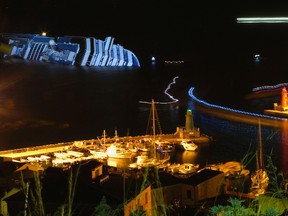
{"x":144,"y":22}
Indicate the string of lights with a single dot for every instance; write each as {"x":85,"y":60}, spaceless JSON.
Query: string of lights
{"x":269,"y":88}
{"x":190,"y":93}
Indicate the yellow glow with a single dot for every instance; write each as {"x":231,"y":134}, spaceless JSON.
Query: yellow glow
{"x":5,"y":48}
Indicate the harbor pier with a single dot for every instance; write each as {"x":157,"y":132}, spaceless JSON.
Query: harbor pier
{"x":21,"y":153}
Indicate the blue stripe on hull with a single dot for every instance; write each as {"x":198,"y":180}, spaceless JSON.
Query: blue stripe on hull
{"x":70,"y":50}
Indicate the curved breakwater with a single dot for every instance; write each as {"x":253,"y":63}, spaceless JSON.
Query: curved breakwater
{"x":237,"y":132}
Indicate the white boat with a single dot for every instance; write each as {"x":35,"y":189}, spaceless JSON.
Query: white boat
{"x":187,"y":145}
{"x":143,"y":161}
{"x":115,"y":152}
{"x":185,"y":168}
{"x":230,"y":169}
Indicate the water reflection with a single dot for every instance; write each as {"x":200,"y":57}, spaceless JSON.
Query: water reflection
{"x":236,"y":132}
{"x":187,"y":157}
{"x":284,"y":149}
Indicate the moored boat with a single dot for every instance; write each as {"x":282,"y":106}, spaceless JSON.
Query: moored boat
{"x":164,"y":147}
{"x":117,"y":152}
{"x":143,"y":161}
{"x":230,"y":168}
{"x":187,"y":145}
{"x":259,"y":178}
{"x":150,"y":159}
{"x":184,"y":168}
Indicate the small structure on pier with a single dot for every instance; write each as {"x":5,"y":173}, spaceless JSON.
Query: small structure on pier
{"x":281,"y":109}
{"x":283,"y":106}
{"x":189,"y":130}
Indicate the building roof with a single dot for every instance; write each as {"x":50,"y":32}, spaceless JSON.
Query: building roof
{"x":30,"y":167}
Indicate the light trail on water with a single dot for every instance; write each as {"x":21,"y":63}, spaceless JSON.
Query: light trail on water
{"x":174,"y":100}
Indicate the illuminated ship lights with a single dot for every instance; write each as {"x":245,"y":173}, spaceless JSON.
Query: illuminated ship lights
{"x":262,"y":20}
{"x":67,"y":50}
{"x":269,"y":88}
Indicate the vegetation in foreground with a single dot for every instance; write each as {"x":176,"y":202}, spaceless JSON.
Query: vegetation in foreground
{"x":273,"y":203}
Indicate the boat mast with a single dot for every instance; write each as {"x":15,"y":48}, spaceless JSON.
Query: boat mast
{"x":260,"y":154}
{"x":153,"y":116}
{"x":116,"y":133}
{"x":104,"y":136}
{"x":154,"y":131}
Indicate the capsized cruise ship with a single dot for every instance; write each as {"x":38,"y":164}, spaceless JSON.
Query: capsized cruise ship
{"x":67,"y":50}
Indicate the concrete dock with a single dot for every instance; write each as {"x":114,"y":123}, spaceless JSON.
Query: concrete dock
{"x":16,"y":154}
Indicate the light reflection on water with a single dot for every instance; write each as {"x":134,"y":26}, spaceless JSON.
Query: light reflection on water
{"x":232,"y":141}
{"x":284,"y":145}
{"x":237,"y":135}
{"x":189,"y":157}
{"x":51,"y":104}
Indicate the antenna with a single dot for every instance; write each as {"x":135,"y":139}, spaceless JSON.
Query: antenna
{"x":260,"y":156}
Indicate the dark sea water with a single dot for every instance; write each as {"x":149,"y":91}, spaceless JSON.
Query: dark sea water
{"x":45,"y":104}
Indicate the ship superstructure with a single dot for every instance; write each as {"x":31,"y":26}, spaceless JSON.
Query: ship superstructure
{"x":68,"y":50}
